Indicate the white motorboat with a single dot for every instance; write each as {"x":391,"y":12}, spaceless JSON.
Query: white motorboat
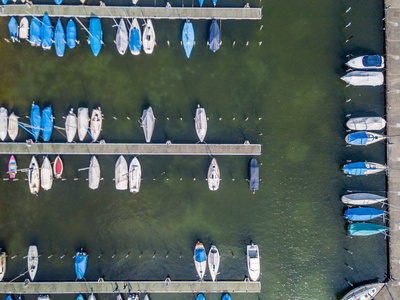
{"x":34,"y":177}
{"x":33,"y":261}
{"x":214,"y":176}
{"x":121,"y":174}
{"x":121,"y":38}
{"x":96,"y":123}
{"x":213,"y":262}
{"x":200,"y":260}
{"x":366,"y":123}
{"x":363,"y":138}
{"x":253,"y":262}
{"x":147,"y":122}
{"x":46,"y":174}
{"x":365,"y":292}
{"x":357,"y":199}
{"x":71,"y":126}
{"x":83,"y":122}
{"x":92,"y":297}
{"x":24,"y":28}
{"x":149,"y":37}
{"x":3,"y":123}
{"x":135,"y":175}
{"x":94,"y":173}
{"x":3,"y":259}
{"x":135,"y":37}
{"x":363,"y":78}
{"x":200,"y":121}
{"x":13,"y":126}
{"x":367,"y":62}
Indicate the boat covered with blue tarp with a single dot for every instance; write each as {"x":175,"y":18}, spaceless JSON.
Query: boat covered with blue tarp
{"x":95,"y":36}
{"x":47,"y":123}
{"x":188,"y":38}
{"x":214,"y":38}
{"x":135,"y":38}
{"x":13,"y":29}
{"x":80,"y":297}
{"x":363,"y":213}
{"x":80,"y":264}
{"x":363,"y":138}
{"x":254,"y":175}
{"x":59,"y":39}
{"x":46,"y":33}
{"x":35,"y":120}
{"x":363,"y":168}
{"x":58,"y":2}
{"x":34,"y":32}
{"x":226,"y":297}
{"x":365,"y":229}
{"x":71,"y":34}
{"x":200,"y":297}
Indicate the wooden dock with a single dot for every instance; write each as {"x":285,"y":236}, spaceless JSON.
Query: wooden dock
{"x":86,"y":11}
{"x":108,"y":287}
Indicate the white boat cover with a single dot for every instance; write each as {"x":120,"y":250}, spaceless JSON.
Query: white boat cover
{"x":94,"y":173}
{"x":121,"y":174}
{"x":46,"y":174}
{"x":83,"y":122}
{"x":363,"y":78}
{"x":362,"y":199}
{"x":33,"y":261}
{"x":149,"y":37}
{"x":366,"y":123}
{"x":214,"y":176}
{"x":13,"y":126}
{"x":213,"y":262}
{"x":148,"y":121}
{"x":135,"y":176}
{"x":3,"y":123}
{"x":121,"y":39}
{"x":96,"y":123}
{"x":24,"y":28}
{"x":200,"y":121}
{"x":33,"y":176}
{"x":71,"y":126}
{"x":2,"y":265}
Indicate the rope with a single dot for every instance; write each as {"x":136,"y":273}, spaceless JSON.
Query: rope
{"x":19,"y":276}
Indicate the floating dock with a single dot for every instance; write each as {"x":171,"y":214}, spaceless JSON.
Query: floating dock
{"x":86,"y":11}
{"x":109,"y":287}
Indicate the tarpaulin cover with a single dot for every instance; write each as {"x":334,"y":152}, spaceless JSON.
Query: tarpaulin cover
{"x":46,"y":32}
{"x":58,"y":2}
{"x":364,"y":229}
{"x":363,"y":213}
{"x":372,"y":60}
{"x":214,"y":39}
{"x":59,"y":38}
{"x":226,"y":297}
{"x":13,"y":28}
{"x":80,"y":297}
{"x":35,"y":121}
{"x":96,"y":35}
{"x":200,"y":255}
{"x":357,"y":168}
{"x":80,"y":265}
{"x":358,"y":138}
{"x":200,"y":297}
{"x":71,"y":34}
{"x":34,"y":33}
{"x":47,"y":123}
{"x":135,"y":43}
{"x":188,"y":38}
{"x":254,"y":175}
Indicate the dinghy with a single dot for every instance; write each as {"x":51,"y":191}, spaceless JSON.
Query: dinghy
{"x":71,"y":34}
{"x":92,"y":297}
{"x":33,"y":261}
{"x":253,"y":262}
{"x":214,"y":176}
{"x":367,"y":62}
{"x":200,"y":122}
{"x":2,"y":264}
{"x":58,"y":167}
{"x":363,"y":168}
{"x":365,"y":292}
{"x":59,"y":39}
{"x":149,"y":37}
{"x":24,"y":28}
{"x":135,"y":38}
{"x":200,"y":296}
{"x":200,"y":260}
{"x":356,"y":199}
{"x":188,"y":38}
{"x":121,"y":39}
{"x":226,"y":297}
{"x":3,"y":123}
{"x":13,"y":29}
{"x":213,"y":262}
{"x":147,"y":122}
{"x":96,"y":123}
{"x":121,"y":174}
{"x":366,"y":123}
{"x":363,"y":214}
{"x":214,"y":38}
{"x":46,"y":174}
{"x":34,"y":177}
{"x":95,"y":36}
{"x":13,"y":126}
{"x":83,"y":122}
{"x":135,"y":175}
{"x":366,"y":229}
{"x":80,"y":264}
{"x":46,"y":33}
{"x":94,"y":173}
{"x":71,"y":126}
{"x":254,"y":175}
{"x":47,"y":123}
{"x":34,"y":34}
{"x":35,"y":121}
{"x":12,"y":167}
{"x":363,"y":78}
{"x":363,"y":138}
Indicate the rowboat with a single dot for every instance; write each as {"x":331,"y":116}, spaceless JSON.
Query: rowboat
{"x":13,"y":29}
{"x":33,"y":176}
{"x":24,"y":28}
{"x":71,"y":34}
{"x":12,"y":167}
{"x":214,"y":176}
{"x":121,"y":174}
{"x":3,"y":123}
{"x":147,"y":123}
{"x":35,"y":121}
{"x":149,"y":37}
{"x":254,"y":181}
{"x":96,"y":123}
{"x":121,"y":38}
{"x":95,"y":36}
{"x":2,"y":264}
{"x":214,"y":37}
{"x":366,"y":123}
{"x":200,"y":122}
{"x":363,"y":214}
{"x":59,"y":39}
{"x":135,"y":175}
{"x":58,"y":167}
{"x":46,"y":174}
{"x":33,"y":261}
{"x":80,"y":264}
{"x":365,"y":292}
{"x":367,"y":62}
{"x":362,"y":199}
{"x":46,"y":33}
{"x":213,"y":262}
{"x":94,"y":173}
{"x":83,"y":122}
{"x":363,"y":168}
{"x":253,"y":262}
{"x":363,"y":138}
{"x":34,"y":34}
{"x":47,"y":123}
{"x":71,"y":126}
{"x":363,"y":78}
{"x":135,"y":38}
{"x":200,"y":260}
{"x":366,"y":229}
{"x":13,"y":126}
{"x":188,"y":38}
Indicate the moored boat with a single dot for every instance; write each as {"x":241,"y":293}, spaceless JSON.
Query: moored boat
{"x":80,"y":264}
{"x":96,"y":123}
{"x":200,"y":296}
{"x":200,"y":260}
{"x":43,"y":297}
{"x":58,"y":167}
{"x":362,"y":199}
{"x":80,"y":297}
{"x":366,"y":123}
{"x":46,"y":174}
{"x":121,"y":174}
{"x":83,"y":122}
{"x":71,"y":34}
{"x":214,"y":2}
{"x":213,"y":262}
{"x":92,"y":297}
{"x":149,"y":37}
{"x":363,"y":78}
{"x":201,"y":2}
{"x":13,"y":29}
{"x":13,"y":127}
{"x":363,"y":214}
{"x":188,"y":38}
{"x":12,"y":167}
{"x":46,"y":123}
{"x":34,"y":32}
{"x":46,"y":33}
{"x":59,"y":39}
{"x":34,"y":177}
{"x":363,"y":168}
{"x":147,"y":123}
{"x":119,"y":297}
{"x":24,"y":28}
{"x":95,"y":36}
{"x":94,"y":173}
{"x":226,"y":297}
{"x":367,"y":62}
{"x":254,"y":180}
{"x":214,"y":37}
{"x":121,"y":38}
{"x":135,"y":38}
{"x":363,"y":138}
{"x":253,"y":262}
{"x":33,"y":261}
{"x":71,"y":126}
{"x":146,"y":297}
{"x":3,"y":257}
{"x":135,"y":175}
{"x":3,"y":123}
{"x":200,"y":122}
{"x":214,"y":176}
{"x":366,"y":229}
{"x":35,"y":120}
{"x":58,"y":2}
{"x":365,"y":292}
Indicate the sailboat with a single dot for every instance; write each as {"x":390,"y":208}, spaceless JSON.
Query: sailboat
{"x":35,"y":120}
{"x":3,"y":261}
{"x":135,"y":175}
{"x":147,"y":122}
{"x":367,"y":62}
{"x":366,"y":123}
{"x":121,"y":174}
{"x":33,"y":261}
{"x":71,"y":34}
{"x":365,"y":292}
{"x":12,"y":167}
{"x":96,"y":123}
{"x":200,"y":260}
{"x":47,"y":123}
{"x":363,"y":78}
{"x":363,"y":168}
{"x":13,"y":29}
{"x":59,"y":39}
{"x":46,"y":174}
{"x":95,"y":36}
{"x":366,"y":229}
{"x":356,"y":199}
{"x":80,"y":264}
{"x":94,"y":173}
{"x":149,"y":37}
{"x":214,"y":38}
{"x":213,"y":176}
{"x":3,"y":123}
{"x":363,"y":214}
{"x":13,"y":126}
{"x":200,"y":122}
{"x":71,"y":126}
{"x":92,"y":297}
{"x":83,"y":122}
{"x":46,"y":33}
{"x":34,"y":34}
{"x":34,"y":177}
{"x":363,"y":138}
{"x":58,"y":167}
{"x":213,"y":262}
{"x":254,"y":175}
{"x":253,"y":262}
{"x":24,"y":28}
{"x":188,"y":38}
{"x":135,"y":38}
{"x":121,"y":38}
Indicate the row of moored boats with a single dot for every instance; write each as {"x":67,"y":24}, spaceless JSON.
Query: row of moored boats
{"x":365,"y":71}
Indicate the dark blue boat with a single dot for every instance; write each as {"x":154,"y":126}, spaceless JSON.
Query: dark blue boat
{"x":46,"y":33}
{"x":35,"y":121}
{"x":13,"y":29}
{"x":254,"y":175}
{"x":80,"y":264}
{"x":34,"y":32}
{"x":47,"y":123}
{"x":71,"y":34}
{"x":363,"y":214}
{"x":95,"y":36}
{"x":59,"y":39}
{"x":214,"y":38}
{"x":188,"y":38}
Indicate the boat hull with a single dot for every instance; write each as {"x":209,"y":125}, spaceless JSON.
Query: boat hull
{"x":362,"y":199}
{"x":71,"y":126}
{"x":58,"y":167}
{"x":135,"y":38}
{"x":188,"y":38}
{"x":95,"y":36}
{"x":214,"y":176}
{"x":363,"y":78}
{"x":71,"y":34}
{"x":12,"y":167}
{"x":83,"y":122}
{"x":13,"y":29}
{"x":149,"y":37}
{"x":213,"y":262}
{"x":214,"y":39}
{"x":365,"y":292}
{"x":366,"y":123}
{"x":46,"y":174}
{"x":253,"y":262}
{"x":94,"y":173}
{"x":367,"y":62}
{"x":24,"y":28}
{"x":46,"y":33}
{"x":33,"y":261}
{"x":200,"y":260}
{"x":121,"y":174}
{"x":3,"y":261}
{"x":121,"y":39}
{"x":200,"y":121}
{"x":34,"y":32}
{"x":80,"y":264}
{"x":363,"y":214}
{"x":363,"y":138}
{"x":254,"y":181}
{"x":135,"y":176}
{"x":3,"y":123}
{"x":59,"y":39}
{"x":363,"y":168}
{"x":13,"y":127}
{"x":147,"y":123}
{"x":47,"y":123}
{"x":35,"y":121}
{"x":366,"y":229}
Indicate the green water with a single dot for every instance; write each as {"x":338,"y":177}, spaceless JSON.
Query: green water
{"x":291,"y":82}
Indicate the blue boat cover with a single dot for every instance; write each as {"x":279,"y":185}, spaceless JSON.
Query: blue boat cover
{"x":200,"y":255}
{"x":58,"y":2}
{"x":188,"y":38}
{"x":254,"y":175}
{"x":214,"y":2}
{"x":372,"y":60}
{"x":201,"y":2}
{"x":200,"y":297}
{"x":13,"y":28}
{"x":47,"y":123}
{"x":363,"y":213}
{"x":80,"y":297}
{"x":95,"y":36}
{"x":226,"y":297}
{"x":34,"y":32}
{"x":9,"y":297}
{"x":71,"y":34}
{"x":358,"y":138}
{"x":365,"y":229}
{"x":4,"y":1}
{"x":80,"y":265}
{"x":135,"y":42}
{"x":35,"y":121}
{"x":357,"y":168}
{"x":59,"y":39}
{"x":214,"y":39}
{"x":46,"y":32}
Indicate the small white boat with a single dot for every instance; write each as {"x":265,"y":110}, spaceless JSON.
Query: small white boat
{"x":200,"y":121}
{"x":214,"y":176}
{"x":96,"y":123}
{"x":3,"y":123}
{"x":94,"y":173}
{"x":213,"y":262}
{"x":119,"y":297}
{"x":58,"y":167}
{"x":357,"y":199}
{"x":46,"y":174}
{"x":365,"y":292}
{"x":149,"y":37}
{"x":367,"y":62}
{"x":146,"y":297}
{"x":3,"y":257}
{"x":253,"y":262}
{"x":83,"y":122}
{"x":363,"y":138}
{"x":33,"y":261}
{"x":363,"y":78}
{"x":34,"y":177}
{"x":43,"y":297}
{"x":200,"y":260}
{"x":366,"y":123}
{"x":147,"y":122}
{"x":24,"y":28}
{"x":135,"y":175}
{"x":13,"y":126}
{"x":121,"y":39}
{"x":71,"y":126}
{"x":121,"y":174}
{"x":92,"y":297}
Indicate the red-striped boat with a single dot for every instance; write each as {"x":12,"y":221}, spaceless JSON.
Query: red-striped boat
{"x":58,"y":167}
{"x":12,"y":167}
